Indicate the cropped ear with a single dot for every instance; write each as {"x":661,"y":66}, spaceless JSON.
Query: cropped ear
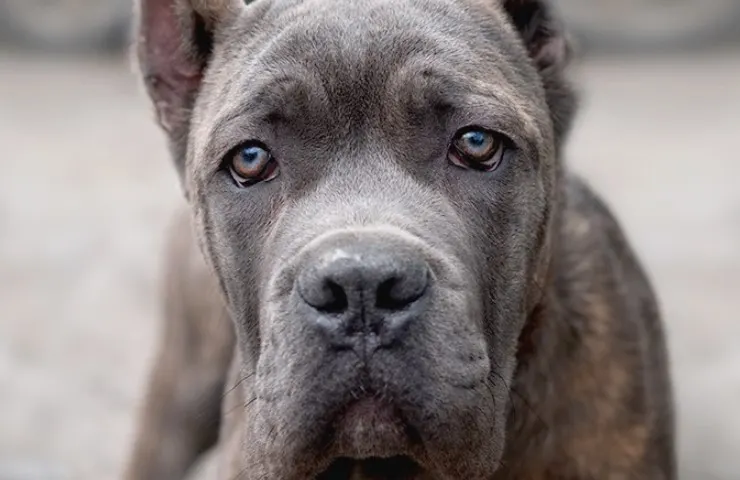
{"x":549,"y":47}
{"x":174,"y":45}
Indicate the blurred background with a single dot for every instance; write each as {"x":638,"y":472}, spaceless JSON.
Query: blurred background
{"x":86,"y":190}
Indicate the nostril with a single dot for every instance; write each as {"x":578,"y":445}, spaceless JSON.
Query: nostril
{"x":398,"y":292}
{"x":386,"y":298}
{"x":334,"y":298}
{"x":322,"y":291}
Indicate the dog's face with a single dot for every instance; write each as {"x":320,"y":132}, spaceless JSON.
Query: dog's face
{"x":373,"y":185}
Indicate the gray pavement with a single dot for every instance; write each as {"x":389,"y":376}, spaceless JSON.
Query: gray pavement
{"x":86,"y":189}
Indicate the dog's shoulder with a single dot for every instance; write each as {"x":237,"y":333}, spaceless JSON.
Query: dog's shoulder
{"x":607,"y":301}
{"x":594,"y":260}
{"x":597,"y":379}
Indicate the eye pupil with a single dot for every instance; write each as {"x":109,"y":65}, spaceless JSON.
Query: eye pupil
{"x":477,"y":142}
{"x":476,"y":139}
{"x":251,"y":155}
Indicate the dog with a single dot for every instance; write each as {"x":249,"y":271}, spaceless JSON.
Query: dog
{"x":385,"y":269}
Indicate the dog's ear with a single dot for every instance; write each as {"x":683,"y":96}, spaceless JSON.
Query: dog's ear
{"x":174,"y":44}
{"x":549,"y":47}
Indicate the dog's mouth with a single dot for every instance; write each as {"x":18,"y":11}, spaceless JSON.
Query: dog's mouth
{"x":394,"y":468}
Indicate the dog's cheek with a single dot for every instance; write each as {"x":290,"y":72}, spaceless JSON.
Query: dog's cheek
{"x":232,"y":224}
{"x":506,"y":218}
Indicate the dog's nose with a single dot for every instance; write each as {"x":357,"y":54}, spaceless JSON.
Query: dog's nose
{"x":364,"y":291}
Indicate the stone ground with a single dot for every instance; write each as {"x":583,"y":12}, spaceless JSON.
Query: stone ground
{"x":86,"y":188}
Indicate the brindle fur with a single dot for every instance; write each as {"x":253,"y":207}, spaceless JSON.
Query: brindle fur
{"x":556,"y":306}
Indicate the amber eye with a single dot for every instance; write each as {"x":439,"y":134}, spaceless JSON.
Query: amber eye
{"x":251,"y":163}
{"x":477,"y":149}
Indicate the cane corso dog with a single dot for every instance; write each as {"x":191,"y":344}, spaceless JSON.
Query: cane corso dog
{"x":385,"y":270}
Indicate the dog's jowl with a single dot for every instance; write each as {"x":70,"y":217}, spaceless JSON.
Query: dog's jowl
{"x":385,"y":270}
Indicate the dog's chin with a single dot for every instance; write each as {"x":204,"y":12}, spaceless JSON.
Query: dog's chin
{"x":371,"y":428}
{"x":372,"y":441}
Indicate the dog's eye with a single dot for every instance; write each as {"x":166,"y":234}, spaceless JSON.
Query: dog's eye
{"x":477,"y":149}
{"x":251,"y":163}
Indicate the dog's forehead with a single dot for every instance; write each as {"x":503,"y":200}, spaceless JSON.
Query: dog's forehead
{"x":352,"y":50}
{"x":341,"y":38}
{"x":381,"y":33}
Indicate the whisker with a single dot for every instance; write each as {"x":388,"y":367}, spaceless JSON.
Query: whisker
{"x":523,"y":400}
{"x":205,"y":401}
{"x":242,"y":406}
{"x":242,"y":380}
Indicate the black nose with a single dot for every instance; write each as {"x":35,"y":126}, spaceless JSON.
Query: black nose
{"x":364,"y":292}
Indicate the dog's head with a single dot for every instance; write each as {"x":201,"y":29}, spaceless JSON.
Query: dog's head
{"x":374,"y":184}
